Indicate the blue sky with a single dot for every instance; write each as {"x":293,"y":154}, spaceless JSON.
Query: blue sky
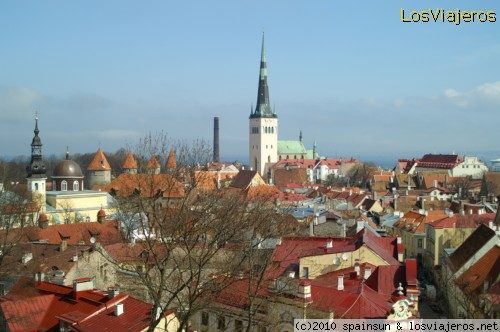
{"x":348,"y":73}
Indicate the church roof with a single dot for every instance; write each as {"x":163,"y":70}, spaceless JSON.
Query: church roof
{"x":99,"y":163}
{"x":291,"y":147}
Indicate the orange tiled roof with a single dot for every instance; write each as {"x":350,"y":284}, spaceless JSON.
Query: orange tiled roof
{"x":99,"y":163}
{"x":153,"y":162}
{"x":147,"y":185}
{"x":129,"y":162}
{"x":171,"y":162}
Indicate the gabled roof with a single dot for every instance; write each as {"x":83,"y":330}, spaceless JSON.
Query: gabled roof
{"x":243,"y":179}
{"x":99,"y":163}
{"x":129,"y":162}
{"x":487,"y":268}
{"x":463,"y":221}
{"x":470,"y":247}
{"x":444,"y":161}
{"x":284,"y":177}
{"x":77,"y":233}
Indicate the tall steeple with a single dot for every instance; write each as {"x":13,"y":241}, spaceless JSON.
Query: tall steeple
{"x":36,"y":168}
{"x":263,"y":107}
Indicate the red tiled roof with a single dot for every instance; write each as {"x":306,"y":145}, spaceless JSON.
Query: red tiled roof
{"x":463,"y":221}
{"x":28,"y":314}
{"x":129,"y":162}
{"x":444,"y":161}
{"x":284,"y":177}
{"x":147,"y":185}
{"x":300,"y":163}
{"x":357,"y":299}
{"x":99,"y":163}
{"x":91,"y":310}
{"x":105,"y":233}
{"x":153,"y":162}
{"x":292,"y":249}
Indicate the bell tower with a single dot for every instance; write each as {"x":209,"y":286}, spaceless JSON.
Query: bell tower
{"x":263,"y":125}
{"x":36,"y":170}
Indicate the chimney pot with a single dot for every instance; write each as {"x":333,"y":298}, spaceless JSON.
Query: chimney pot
{"x":340,"y":282}
{"x":119,"y":309}
{"x":368,"y":272}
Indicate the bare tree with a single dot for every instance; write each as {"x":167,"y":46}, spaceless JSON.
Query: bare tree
{"x":193,"y":241}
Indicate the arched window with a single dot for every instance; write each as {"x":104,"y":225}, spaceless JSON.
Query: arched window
{"x":76,"y":186}
{"x":268,"y":159}
{"x":64,"y":185}
{"x":36,"y":186}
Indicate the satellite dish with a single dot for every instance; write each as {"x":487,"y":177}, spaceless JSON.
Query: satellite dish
{"x":92,"y":240}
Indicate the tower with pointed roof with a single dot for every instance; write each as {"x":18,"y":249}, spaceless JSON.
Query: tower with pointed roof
{"x":36,"y":178}
{"x":129,"y":165}
{"x":171,"y":163}
{"x":263,"y":125}
{"x":99,"y":170}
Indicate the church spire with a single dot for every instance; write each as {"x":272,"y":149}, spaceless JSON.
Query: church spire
{"x":36,"y":166}
{"x":263,"y":107}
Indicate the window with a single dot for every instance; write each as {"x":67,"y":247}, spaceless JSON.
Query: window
{"x":64,"y":185}
{"x":420,"y":243}
{"x":204,"y":318}
{"x":238,"y":325}
{"x":36,"y":186}
{"x":268,"y":159}
{"x":305,"y":272}
{"x":221,"y":322}
{"x":76,"y":186}
{"x":267,"y":146}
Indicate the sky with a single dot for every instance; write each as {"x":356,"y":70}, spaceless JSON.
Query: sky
{"x":349,"y":74}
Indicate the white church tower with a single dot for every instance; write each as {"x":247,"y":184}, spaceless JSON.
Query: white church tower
{"x":263,"y":129}
{"x":36,"y":171}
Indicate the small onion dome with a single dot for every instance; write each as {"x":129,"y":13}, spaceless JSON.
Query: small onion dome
{"x":43,"y":217}
{"x":101,"y":214}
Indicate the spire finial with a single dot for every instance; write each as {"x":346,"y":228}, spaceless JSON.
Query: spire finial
{"x":300,"y":136}
{"x":36,"y":123}
{"x":67,"y":152}
{"x":263,"y":50}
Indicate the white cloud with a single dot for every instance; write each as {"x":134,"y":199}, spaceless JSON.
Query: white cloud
{"x":451,"y":93}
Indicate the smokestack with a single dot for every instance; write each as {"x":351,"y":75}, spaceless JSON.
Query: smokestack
{"x":216,"y":158}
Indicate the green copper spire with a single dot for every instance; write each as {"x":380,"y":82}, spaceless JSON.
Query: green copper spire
{"x":263,"y":107}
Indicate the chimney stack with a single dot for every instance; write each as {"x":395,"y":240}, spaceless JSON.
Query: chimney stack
{"x":216,"y":158}
{"x":340,"y":282}
{"x":368,"y":272}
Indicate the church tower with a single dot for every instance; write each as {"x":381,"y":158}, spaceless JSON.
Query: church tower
{"x":263,"y":128}
{"x":36,"y":170}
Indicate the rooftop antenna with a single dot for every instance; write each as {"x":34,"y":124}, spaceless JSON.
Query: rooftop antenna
{"x":67,"y":152}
